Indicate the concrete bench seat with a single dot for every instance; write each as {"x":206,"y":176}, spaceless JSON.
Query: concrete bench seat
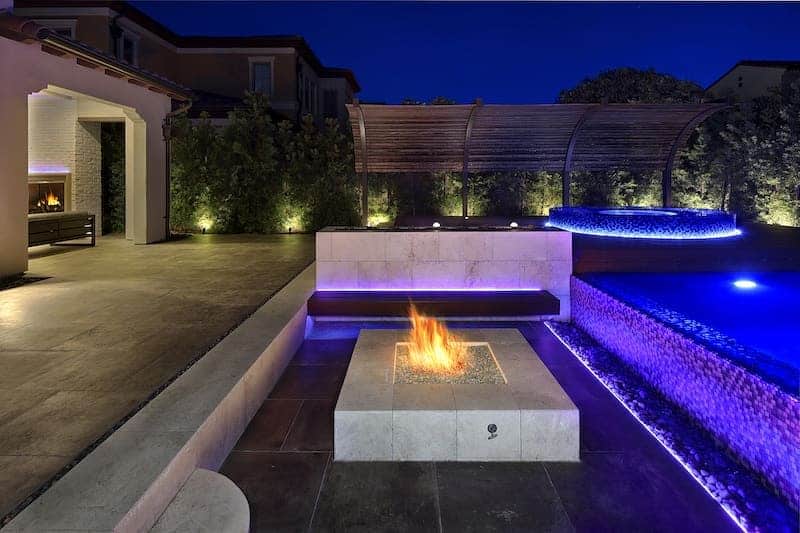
{"x":435,"y":303}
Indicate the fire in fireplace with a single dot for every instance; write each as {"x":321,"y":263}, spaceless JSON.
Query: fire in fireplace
{"x":45,"y":197}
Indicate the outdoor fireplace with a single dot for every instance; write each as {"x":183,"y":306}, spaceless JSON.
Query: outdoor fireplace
{"x":46,"y":196}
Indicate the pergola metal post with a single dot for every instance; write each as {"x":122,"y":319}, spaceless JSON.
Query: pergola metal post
{"x":680,"y":140}
{"x":362,"y":127}
{"x":465,"y":169}
{"x":565,"y":174}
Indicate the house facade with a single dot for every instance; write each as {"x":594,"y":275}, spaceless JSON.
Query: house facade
{"x":218,"y":69}
{"x":749,"y":79}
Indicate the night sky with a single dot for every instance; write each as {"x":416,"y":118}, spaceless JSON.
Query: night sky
{"x":504,"y":53}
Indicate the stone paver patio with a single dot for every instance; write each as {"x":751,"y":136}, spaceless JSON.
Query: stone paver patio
{"x":83,"y":349}
{"x":625,"y":481}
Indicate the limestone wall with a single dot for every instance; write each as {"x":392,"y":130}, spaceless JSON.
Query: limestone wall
{"x":513,"y":259}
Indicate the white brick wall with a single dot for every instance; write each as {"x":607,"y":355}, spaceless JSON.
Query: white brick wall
{"x":86,"y":185}
{"x":58,"y":141}
{"x":51,"y":132}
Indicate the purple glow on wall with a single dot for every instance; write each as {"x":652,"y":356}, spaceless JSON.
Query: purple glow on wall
{"x":45,"y":168}
{"x":755,"y":420}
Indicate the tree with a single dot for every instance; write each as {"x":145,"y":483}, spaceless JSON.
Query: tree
{"x":441,"y":100}
{"x":248,"y":201}
{"x":436,"y":100}
{"x":761,"y":141}
{"x":630,"y":85}
{"x":320,"y":179}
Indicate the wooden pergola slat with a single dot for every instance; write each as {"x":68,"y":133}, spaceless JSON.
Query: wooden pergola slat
{"x":555,"y":137}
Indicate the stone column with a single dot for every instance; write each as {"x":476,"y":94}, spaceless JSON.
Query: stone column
{"x":87,"y":188}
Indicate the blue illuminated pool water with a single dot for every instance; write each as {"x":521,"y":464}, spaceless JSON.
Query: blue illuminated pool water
{"x":758,"y":326}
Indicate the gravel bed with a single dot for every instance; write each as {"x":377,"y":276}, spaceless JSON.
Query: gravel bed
{"x":481,"y":368}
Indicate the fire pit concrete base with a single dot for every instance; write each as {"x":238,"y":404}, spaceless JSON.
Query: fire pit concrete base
{"x":528,"y":418}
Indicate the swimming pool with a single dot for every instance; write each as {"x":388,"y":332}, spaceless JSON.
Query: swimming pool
{"x":752,"y":318}
{"x":725,"y":352}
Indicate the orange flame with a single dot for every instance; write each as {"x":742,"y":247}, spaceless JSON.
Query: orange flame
{"x":432,"y":348}
{"x":50,"y":199}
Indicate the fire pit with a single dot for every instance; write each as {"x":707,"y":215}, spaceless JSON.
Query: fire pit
{"x":490,"y":398}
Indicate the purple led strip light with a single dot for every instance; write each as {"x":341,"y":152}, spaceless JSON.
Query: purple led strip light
{"x":44,"y":168}
{"x":428,"y":289}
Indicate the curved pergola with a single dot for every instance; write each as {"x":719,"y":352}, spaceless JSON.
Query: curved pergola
{"x":556,"y":137}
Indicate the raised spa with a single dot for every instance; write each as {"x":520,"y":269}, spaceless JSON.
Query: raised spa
{"x":508,"y":407}
{"x":645,"y":222}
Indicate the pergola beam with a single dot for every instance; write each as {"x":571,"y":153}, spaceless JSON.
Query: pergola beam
{"x":465,"y":170}
{"x":573,"y":138}
{"x":362,"y":129}
{"x":680,"y":140}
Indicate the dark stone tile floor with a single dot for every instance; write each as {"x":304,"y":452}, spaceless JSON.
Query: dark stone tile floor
{"x":624,"y":482}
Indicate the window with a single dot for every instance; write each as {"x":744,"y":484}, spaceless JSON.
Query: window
{"x":128,"y":48}
{"x":261,"y":77}
{"x":330,"y":103}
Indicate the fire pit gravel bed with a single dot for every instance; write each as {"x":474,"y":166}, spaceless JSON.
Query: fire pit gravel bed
{"x":481,"y":368}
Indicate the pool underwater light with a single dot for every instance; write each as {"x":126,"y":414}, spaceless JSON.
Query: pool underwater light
{"x":745,"y":284}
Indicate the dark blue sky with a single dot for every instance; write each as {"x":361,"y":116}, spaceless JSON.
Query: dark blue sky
{"x":504,"y":53}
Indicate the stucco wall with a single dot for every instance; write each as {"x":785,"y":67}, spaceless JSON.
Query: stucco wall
{"x":756,"y":81}
{"x":25,"y":70}
{"x":229,"y":73}
{"x":156,"y":57}
{"x":94,"y":31}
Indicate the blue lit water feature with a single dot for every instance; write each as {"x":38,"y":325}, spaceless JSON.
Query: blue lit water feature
{"x":759,"y":311}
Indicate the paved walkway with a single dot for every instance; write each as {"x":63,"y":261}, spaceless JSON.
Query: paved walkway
{"x":81,"y":350}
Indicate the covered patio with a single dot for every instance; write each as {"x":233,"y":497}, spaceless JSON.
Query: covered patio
{"x":54,"y":95}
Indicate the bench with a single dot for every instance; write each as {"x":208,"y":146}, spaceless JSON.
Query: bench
{"x":52,"y":228}
{"x":460,"y":304}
